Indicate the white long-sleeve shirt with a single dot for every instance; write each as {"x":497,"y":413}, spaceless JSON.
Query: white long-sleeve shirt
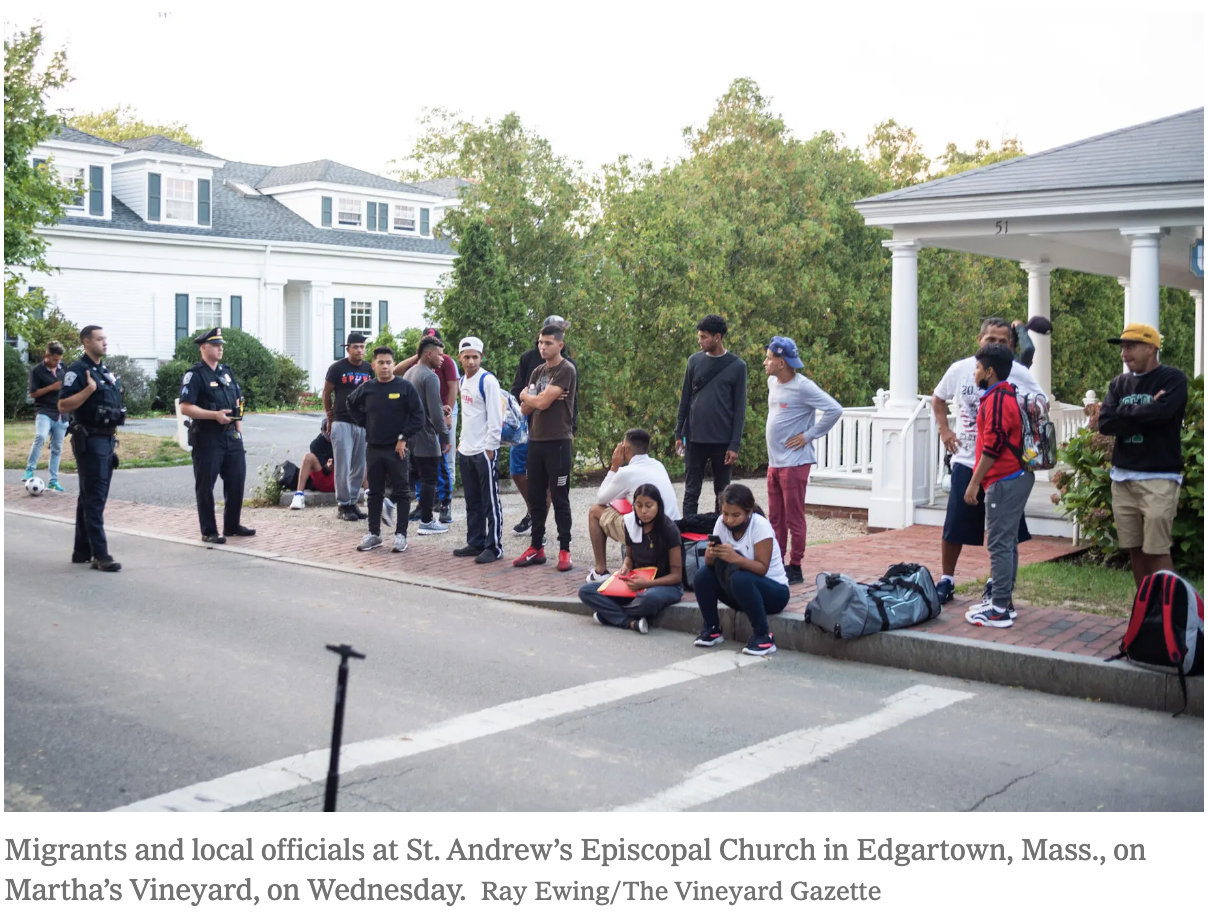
{"x":481,"y":414}
{"x":640,"y":470}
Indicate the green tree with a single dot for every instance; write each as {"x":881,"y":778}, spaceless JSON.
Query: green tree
{"x":33,"y":196}
{"x":53,"y":325}
{"x":534,"y":201}
{"x":121,"y":123}
{"x":482,"y":301}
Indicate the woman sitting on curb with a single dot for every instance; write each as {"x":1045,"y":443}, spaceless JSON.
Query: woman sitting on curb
{"x":651,"y":541}
{"x":743,"y":569}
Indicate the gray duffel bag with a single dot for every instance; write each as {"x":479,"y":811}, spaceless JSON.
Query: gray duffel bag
{"x":843,"y":607}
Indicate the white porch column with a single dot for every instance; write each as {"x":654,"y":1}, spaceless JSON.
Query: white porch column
{"x":1199,"y":330}
{"x":1038,"y":306}
{"x":1123,"y":280}
{"x":1143,"y":274}
{"x":904,"y":324}
{"x":321,"y":346}
{"x":272,"y":317}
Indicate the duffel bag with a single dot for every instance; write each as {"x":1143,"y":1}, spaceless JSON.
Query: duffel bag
{"x":843,"y":607}
{"x":905,"y":596}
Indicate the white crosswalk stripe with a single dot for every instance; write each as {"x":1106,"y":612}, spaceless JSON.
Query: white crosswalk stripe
{"x":748,"y":766}
{"x":246,"y":786}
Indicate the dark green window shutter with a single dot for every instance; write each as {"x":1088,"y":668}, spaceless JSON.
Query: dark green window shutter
{"x":383,"y":216}
{"x":383,"y":315}
{"x":423,"y":221}
{"x":203,"y":202}
{"x":337,"y":311}
{"x":237,"y":311}
{"x":327,"y":211}
{"x":96,"y":190}
{"x":182,"y":316}
{"x":152,"y":197}
{"x":371,"y":216}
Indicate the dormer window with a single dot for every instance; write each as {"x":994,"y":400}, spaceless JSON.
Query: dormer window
{"x":404,"y":218}
{"x":178,"y":199}
{"x":349,"y":212}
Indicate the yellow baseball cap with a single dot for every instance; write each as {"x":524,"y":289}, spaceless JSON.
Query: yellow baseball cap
{"x":1139,"y":333}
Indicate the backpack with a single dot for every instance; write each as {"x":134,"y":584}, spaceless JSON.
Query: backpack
{"x":1039,"y":449}
{"x":287,"y":475}
{"x":693,"y":556}
{"x":1166,"y":629}
{"x":515,"y":427}
{"x":843,"y":607}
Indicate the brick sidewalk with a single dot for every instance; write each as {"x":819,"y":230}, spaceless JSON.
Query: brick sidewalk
{"x":865,"y":558}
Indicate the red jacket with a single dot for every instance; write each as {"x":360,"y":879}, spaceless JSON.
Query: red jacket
{"x":999,"y":432}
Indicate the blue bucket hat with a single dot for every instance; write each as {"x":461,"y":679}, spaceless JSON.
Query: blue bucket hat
{"x":786,"y":349}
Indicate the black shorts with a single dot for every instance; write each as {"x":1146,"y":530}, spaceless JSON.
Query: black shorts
{"x":965,"y":525}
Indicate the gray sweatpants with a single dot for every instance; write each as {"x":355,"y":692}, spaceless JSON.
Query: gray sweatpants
{"x":1005,"y":501}
{"x":348,"y":460}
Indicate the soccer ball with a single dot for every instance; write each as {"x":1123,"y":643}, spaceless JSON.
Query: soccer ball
{"x":35,"y":486}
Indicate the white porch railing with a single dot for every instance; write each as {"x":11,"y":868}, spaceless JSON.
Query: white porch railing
{"x":845,"y":453}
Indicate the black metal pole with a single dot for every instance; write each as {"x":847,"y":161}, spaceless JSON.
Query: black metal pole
{"x":337,"y":726}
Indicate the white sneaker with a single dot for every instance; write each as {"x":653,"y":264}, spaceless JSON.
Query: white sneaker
{"x":642,"y":626}
{"x":400,"y":543}
{"x":595,"y":577}
{"x":432,"y":528}
{"x":369,"y":543}
{"x":388,"y":508}
{"x":299,"y":502}
{"x":596,"y":617}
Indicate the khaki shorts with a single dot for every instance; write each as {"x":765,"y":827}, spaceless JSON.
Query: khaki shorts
{"x":1144,"y":513}
{"x":613,"y":525}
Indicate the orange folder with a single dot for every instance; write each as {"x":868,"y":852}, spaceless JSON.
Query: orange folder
{"x":615,"y":586}
{"x":622,"y":506}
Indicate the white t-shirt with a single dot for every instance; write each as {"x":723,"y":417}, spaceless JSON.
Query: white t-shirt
{"x":758,"y":530}
{"x":960,"y":383}
{"x":481,"y":414}
{"x":640,"y":470}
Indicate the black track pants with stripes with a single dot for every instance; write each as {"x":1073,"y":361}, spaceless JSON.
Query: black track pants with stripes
{"x":484,"y":514}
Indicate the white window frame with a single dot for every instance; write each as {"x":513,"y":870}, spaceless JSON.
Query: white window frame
{"x":365,"y":305}
{"x":166,"y":182}
{"x":195,"y":302}
{"x":68,"y":177}
{"x":340,"y":212}
{"x":414,"y":229}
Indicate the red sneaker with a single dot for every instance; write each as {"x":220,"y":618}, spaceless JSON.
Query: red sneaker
{"x":531,"y":556}
{"x":564,"y":562}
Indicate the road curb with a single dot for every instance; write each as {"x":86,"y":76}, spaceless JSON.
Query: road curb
{"x":1052,"y":672}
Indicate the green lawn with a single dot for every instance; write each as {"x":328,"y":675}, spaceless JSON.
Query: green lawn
{"x":1070,"y":585}
{"x":136,"y":450}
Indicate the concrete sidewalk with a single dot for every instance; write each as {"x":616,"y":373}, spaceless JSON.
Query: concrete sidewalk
{"x":1050,"y":650}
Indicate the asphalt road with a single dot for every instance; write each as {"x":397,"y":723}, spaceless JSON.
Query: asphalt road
{"x":192,"y":664}
{"x":268,"y":437}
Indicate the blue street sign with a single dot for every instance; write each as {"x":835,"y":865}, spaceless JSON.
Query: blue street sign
{"x":1197,"y":258}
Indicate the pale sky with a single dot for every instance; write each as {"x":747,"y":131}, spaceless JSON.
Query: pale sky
{"x":287,"y":83}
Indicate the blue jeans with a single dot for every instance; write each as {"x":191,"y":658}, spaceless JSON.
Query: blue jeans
{"x":749,"y":593}
{"x":451,"y":457}
{"x":650,"y":602}
{"x":45,"y":427}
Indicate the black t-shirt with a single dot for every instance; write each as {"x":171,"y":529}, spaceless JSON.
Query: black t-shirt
{"x":654,"y":550}
{"x":346,"y":378}
{"x":320,"y":446}
{"x":40,"y":377}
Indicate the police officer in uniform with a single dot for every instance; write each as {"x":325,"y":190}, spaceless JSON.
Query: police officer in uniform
{"x":210,"y":395}
{"x":93,"y":395}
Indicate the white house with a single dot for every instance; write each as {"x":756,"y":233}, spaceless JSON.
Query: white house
{"x":166,"y":239}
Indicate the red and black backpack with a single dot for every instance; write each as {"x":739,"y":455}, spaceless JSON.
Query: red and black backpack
{"x":1166,"y":629}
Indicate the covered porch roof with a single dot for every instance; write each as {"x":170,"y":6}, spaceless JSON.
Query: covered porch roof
{"x":1073,"y":207}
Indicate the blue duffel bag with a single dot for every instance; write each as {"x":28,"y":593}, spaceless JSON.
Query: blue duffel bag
{"x":845,"y":608}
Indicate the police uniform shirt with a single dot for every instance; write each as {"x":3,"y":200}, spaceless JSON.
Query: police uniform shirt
{"x":211,"y":390}
{"x":108,"y":389}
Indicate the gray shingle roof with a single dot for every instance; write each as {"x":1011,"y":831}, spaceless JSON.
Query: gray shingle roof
{"x":262,"y":218}
{"x":1168,"y":150}
{"x":446,"y":186}
{"x":67,"y":133}
{"x":161,"y":145}
{"x":328,"y":171}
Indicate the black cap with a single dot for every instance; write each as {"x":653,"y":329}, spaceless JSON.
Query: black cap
{"x":432,"y":332}
{"x":355,"y":338}
{"x":213,"y":336}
